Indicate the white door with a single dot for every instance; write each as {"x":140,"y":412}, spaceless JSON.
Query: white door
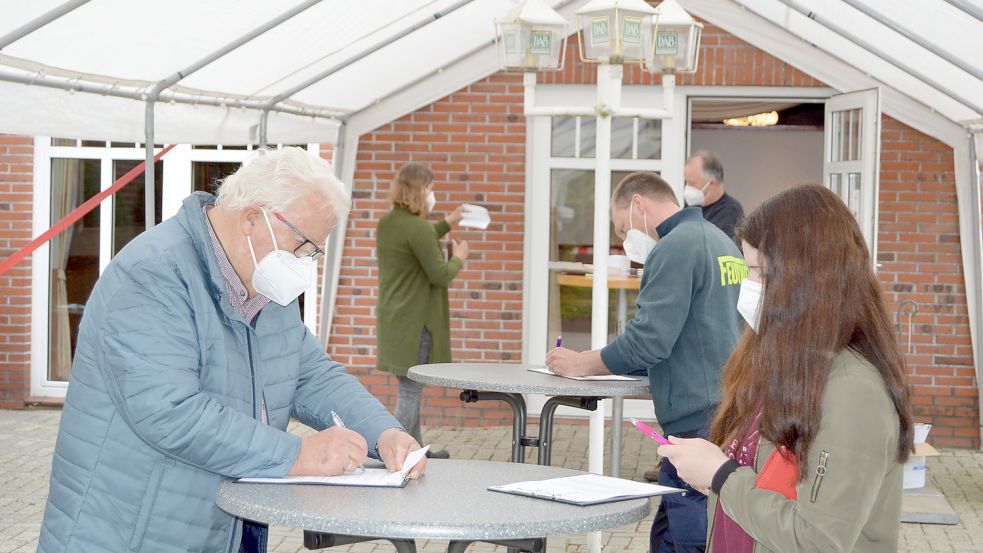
{"x":851,"y":157}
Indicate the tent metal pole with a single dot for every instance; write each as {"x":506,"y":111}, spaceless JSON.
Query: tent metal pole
{"x":187,"y":71}
{"x":149,"y":176}
{"x":879,"y":52}
{"x":977,"y":245}
{"x":332,"y":259}
{"x":969,"y":7}
{"x":40,"y":21}
{"x":365,"y":52}
{"x":917,"y":39}
{"x":106,"y":89}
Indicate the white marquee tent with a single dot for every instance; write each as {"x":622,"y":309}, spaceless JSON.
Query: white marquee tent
{"x":329,"y":71}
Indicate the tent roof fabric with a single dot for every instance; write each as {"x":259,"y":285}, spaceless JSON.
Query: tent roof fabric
{"x":133,"y":44}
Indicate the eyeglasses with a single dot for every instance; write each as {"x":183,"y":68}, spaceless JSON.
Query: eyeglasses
{"x":316,"y":253}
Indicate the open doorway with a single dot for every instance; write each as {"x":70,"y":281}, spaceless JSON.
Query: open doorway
{"x":765,"y":146}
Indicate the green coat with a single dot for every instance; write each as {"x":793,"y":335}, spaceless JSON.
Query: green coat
{"x":855,"y":506}
{"x":413,"y":279}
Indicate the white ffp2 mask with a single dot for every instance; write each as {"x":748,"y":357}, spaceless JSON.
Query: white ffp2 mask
{"x":431,"y":201}
{"x":280,"y":275}
{"x":638,"y":244}
{"x":749,"y":302}
{"x":695,"y":197}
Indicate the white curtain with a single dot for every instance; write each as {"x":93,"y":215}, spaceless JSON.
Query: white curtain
{"x":65,"y":187}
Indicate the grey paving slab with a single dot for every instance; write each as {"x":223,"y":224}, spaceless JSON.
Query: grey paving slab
{"x":27,"y":439}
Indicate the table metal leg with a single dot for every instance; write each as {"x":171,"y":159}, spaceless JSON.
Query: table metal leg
{"x":519,"y":418}
{"x":546,"y":421}
{"x":617,"y":414}
{"x":532,"y":545}
{"x":321,"y":540}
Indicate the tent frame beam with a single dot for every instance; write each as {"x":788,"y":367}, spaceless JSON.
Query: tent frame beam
{"x":40,"y":21}
{"x":905,"y":32}
{"x":967,"y":7}
{"x":358,"y":56}
{"x":149,"y":188}
{"x":880,"y":53}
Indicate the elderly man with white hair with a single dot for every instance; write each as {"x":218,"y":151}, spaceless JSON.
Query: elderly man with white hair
{"x":191,"y":359}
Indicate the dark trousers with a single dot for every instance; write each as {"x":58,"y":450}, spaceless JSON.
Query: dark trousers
{"x":255,"y":536}
{"x":680,"y":524}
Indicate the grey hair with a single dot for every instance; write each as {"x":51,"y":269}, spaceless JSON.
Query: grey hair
{"x":278,"y":178}
{"x":713,"y":168}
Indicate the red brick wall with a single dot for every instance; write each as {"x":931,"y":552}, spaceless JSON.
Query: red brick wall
{"x":919,"y":249}
{"x":16,"y":194}
{"x":474,"y":142}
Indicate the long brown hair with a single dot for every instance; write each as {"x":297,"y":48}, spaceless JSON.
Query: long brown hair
{"x":820,"y":296}
{"x":408,"y":187}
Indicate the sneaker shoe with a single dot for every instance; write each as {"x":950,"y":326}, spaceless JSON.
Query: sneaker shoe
{"x":652,"y":475}
{"x":439,"y":454}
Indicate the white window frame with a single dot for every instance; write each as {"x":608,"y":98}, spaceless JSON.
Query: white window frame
{"x":176,"y":186}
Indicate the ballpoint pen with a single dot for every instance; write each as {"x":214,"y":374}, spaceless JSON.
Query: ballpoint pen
{"x":559,"y":341}
{"x":341,"y":424}
{"x":647,"y":430}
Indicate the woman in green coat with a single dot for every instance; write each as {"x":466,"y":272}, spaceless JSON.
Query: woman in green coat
{"x":413,"y":318}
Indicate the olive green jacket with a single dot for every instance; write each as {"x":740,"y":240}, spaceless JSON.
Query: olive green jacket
{"x":850,"y":499}
{"x":413,"y":279}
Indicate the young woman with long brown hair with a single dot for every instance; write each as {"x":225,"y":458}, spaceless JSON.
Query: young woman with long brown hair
{"x":814,"y":423}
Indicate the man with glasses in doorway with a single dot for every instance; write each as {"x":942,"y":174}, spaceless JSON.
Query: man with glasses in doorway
{"x":704,"y":176}
{"x":192,"y":358}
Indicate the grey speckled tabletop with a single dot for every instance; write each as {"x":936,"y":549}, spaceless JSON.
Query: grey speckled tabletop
{"x":450,"y":502}
{"x":517,"y":379}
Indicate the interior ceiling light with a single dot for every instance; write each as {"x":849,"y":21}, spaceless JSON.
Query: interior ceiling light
{"x":757,"y":120}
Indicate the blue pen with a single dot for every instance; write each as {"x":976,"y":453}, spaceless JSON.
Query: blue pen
{"x":341,"y":424}
{"x":559,"y":341}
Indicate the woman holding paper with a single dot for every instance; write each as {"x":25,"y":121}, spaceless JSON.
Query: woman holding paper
{"x":413,"y":317}
{"x":814,"y":419}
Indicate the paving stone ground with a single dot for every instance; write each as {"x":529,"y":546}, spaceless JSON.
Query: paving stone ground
{"x":27,"y":439}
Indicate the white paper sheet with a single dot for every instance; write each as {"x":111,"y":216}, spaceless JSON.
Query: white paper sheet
{"x":475,"y":216}
{"x":546,"y":370}
{"x":370,"y":477}
{"x":585,"y":489}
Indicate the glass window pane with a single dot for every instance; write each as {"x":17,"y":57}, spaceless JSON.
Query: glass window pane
{"x":844,"y":128}
{"x":835,"y":180}
{"x":588,"y":136}
{"x":206,"y":176}
{"x":622,"y":137}
{"x":93,"y":144}
{"x":834,"y":136}
{"x":571,"y":239}
{"x":854,"y":198}
{"x":129,"y":215}
{"x":857,"y":133}
{"x":649,"y":139}
{"x":73,"y":258}
{"x":63,"y":142}
{"x":563,"y":137}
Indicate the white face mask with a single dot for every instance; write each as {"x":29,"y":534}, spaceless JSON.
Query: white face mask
{"x":431,"y":201}
{"x":638,"y":244}
{"x":695,"y":197}
{"x":280,"y":275}
{"x":749,"y":302}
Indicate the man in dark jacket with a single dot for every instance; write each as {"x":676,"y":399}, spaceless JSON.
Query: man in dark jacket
{"x":704,"y":176}
{"x":683,"y":331}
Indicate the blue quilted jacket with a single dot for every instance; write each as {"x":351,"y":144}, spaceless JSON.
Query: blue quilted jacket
{"x":165,"y":399}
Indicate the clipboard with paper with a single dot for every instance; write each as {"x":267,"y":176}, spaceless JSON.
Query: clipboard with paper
{"x":585,"y":489}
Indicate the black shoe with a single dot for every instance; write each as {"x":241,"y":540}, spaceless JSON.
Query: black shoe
{"x":439,"y":454}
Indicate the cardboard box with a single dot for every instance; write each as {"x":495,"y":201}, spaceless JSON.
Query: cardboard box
{"x":916,"y":467}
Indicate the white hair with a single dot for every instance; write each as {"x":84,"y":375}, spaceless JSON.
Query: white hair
{"x":277,"y":178}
